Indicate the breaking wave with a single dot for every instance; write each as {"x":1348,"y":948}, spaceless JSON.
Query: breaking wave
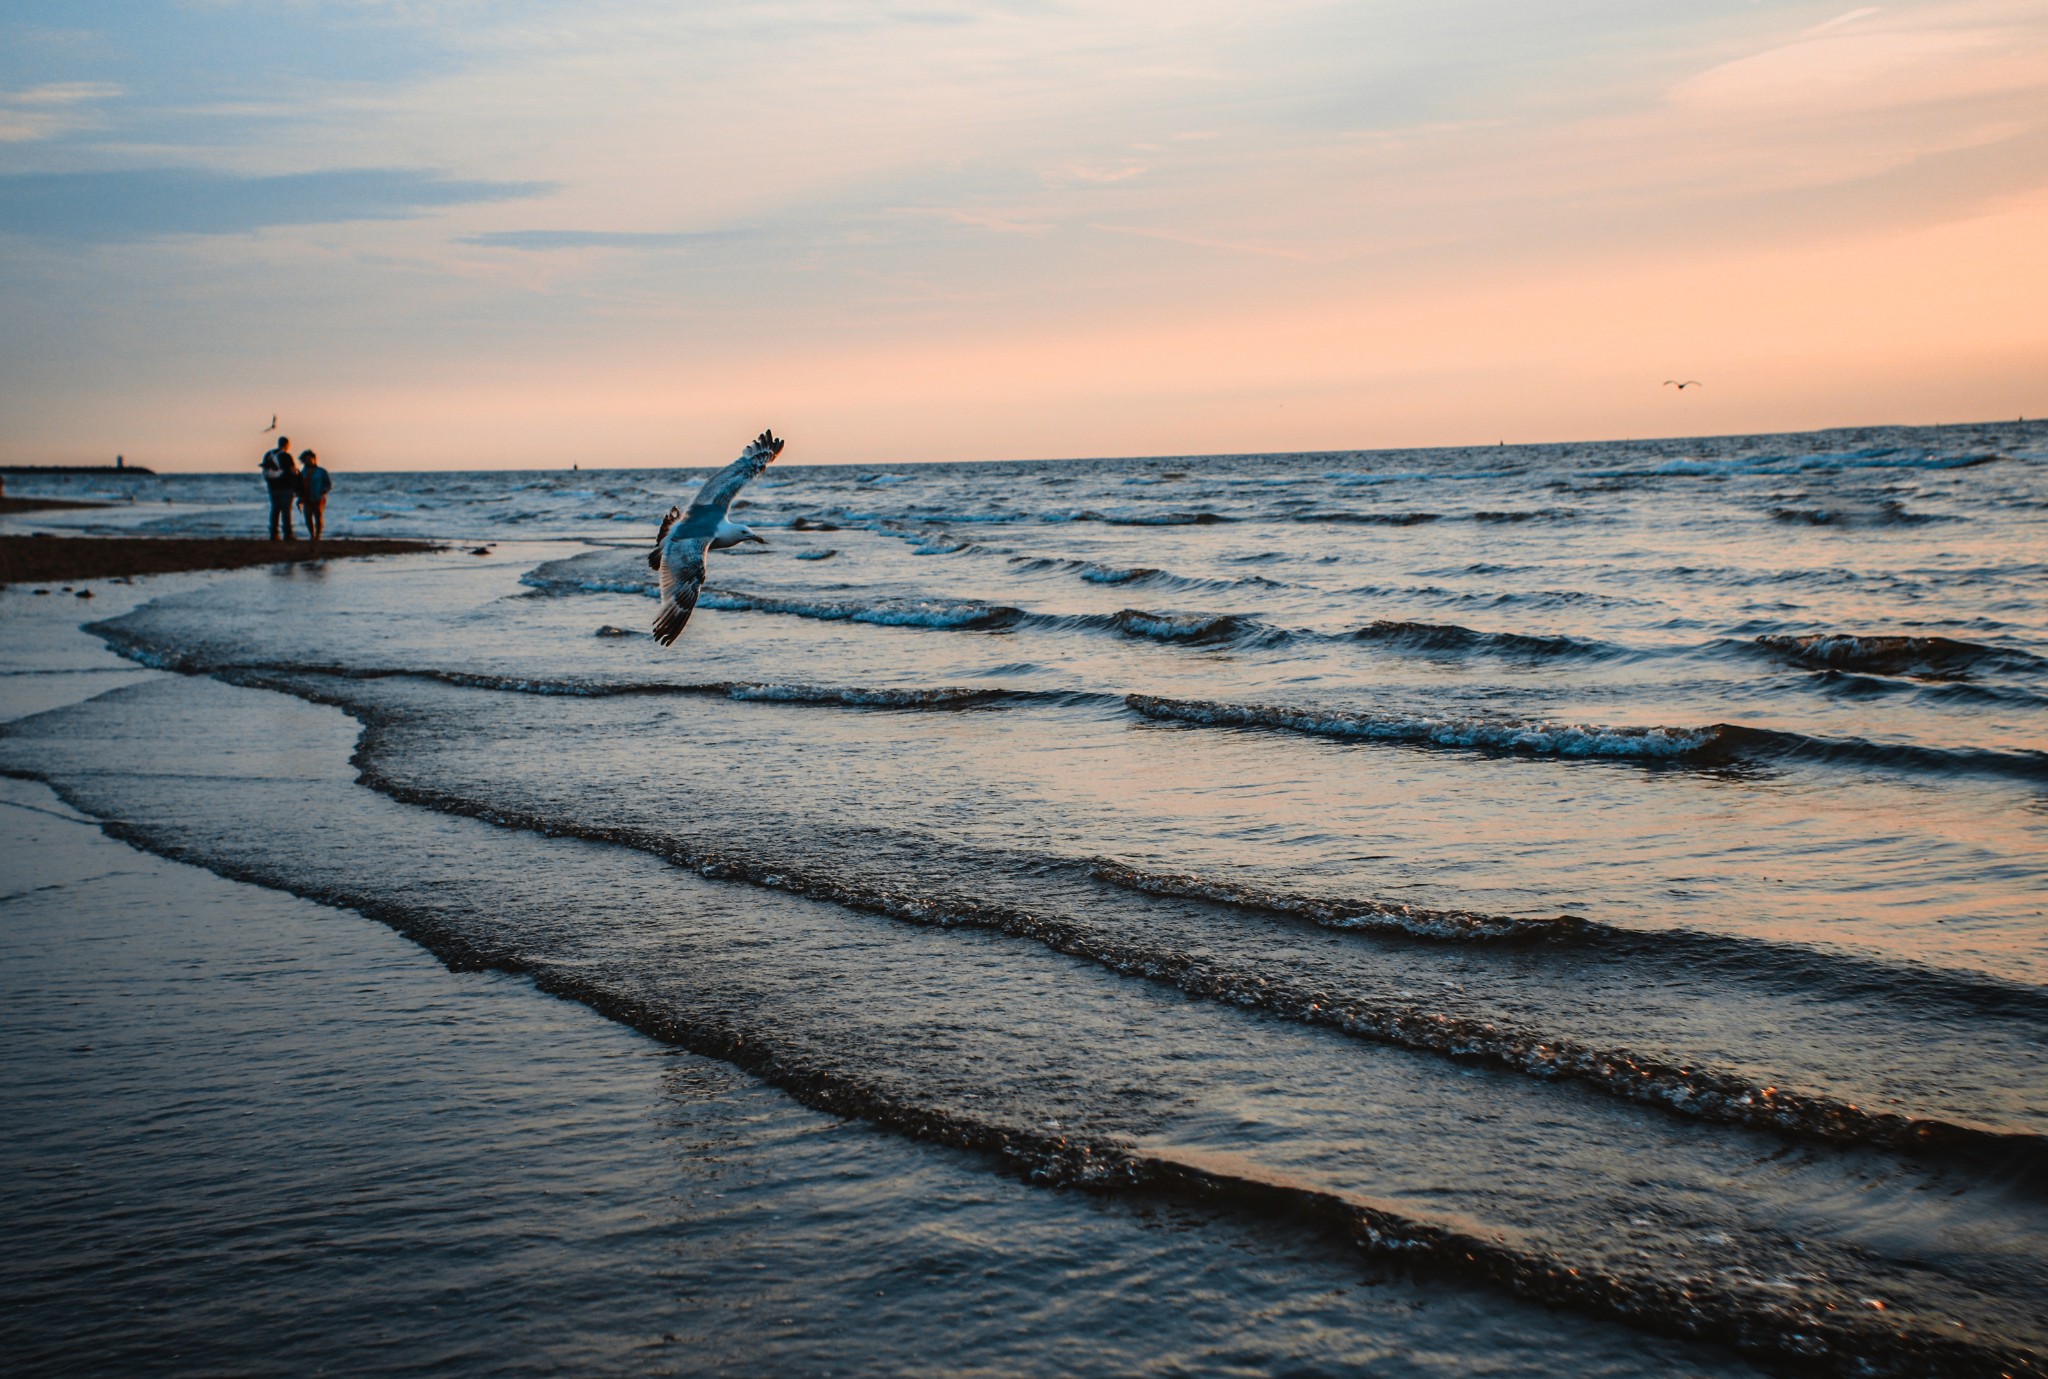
{"x":1148,"y":576}
{"x":1194,"y":629}
{"x":1134,"y":517}
{"x":1373,"y":519}
{"x":271,"y":674}
{"x":966,"y":614}
{"x":1886,"y":514}
{"x":1429,"y":636}
{"x":1885,"y":654}
{"x":1528,"y":738}
{"x":1714,"y":744}
{"x":1365,"y":916}
{"x":1853,"y":979}
{"x":1878,"y":457}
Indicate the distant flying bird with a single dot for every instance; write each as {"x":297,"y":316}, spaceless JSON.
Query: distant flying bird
{"x":1689,"y":383}
{"x":272,"y":427}
{"x":685,"y":537}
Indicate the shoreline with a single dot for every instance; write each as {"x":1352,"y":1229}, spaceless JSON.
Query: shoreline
{"x":42,"y":559}
{"x":9,"y":506}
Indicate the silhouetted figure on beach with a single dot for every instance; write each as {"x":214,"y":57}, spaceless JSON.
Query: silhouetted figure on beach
{"x":314,"y":484}
{"x":281,"y":473}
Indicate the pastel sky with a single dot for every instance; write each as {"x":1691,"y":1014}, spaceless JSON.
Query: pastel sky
{"x":633,"y":232}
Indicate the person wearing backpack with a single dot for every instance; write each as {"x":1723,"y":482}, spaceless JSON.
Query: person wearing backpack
{"x":282,"y":475}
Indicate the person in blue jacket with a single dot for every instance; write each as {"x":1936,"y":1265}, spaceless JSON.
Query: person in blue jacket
{"x":314,"y":484}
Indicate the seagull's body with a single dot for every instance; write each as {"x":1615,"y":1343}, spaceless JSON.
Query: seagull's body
{"x":272,"y":427}
{"x":687,"y":536}
{"x":1674,"y":383}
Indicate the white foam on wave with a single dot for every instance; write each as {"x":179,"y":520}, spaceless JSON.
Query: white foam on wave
{"x":534,"y":579}
{"x":945,"y":697}
{"x":1493,"y":735}
{"x":892,"y":522}
{"x":1178,"y":627}
{"x":1344,"y":476}
{"x":941,"y":613}
{"x":1135,"y":517}
{"x":1797,"y":464}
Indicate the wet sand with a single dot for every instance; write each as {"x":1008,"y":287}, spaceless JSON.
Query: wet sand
{"x":9,"y":506}
{"x":32,"y":559}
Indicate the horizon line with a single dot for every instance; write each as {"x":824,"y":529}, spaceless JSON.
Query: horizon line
{"x":1104,"y":459}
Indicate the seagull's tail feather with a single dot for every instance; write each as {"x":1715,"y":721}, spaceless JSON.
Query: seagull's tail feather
{"x":669,"y":620}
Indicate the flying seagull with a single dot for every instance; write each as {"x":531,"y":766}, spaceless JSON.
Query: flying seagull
{"x":272,"y":427}
{"x":685,"y":537}
{"x":1689,"y":383}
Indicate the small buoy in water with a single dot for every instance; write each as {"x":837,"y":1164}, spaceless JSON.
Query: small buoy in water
{"x":481,"y":550}
{"x":42,"y":591}
{"x":609,"y":631}
{"x":85,"y":593}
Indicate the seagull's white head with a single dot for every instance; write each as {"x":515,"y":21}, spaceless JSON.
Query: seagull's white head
{"x":731,"y":533}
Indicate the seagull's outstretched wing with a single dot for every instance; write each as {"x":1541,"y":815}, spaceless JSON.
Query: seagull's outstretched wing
{"x":682,"y":576}
{"x":721,"y":488}
{"x":686,"y":537}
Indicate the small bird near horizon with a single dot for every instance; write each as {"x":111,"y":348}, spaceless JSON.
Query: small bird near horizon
{"x":272,"y":427}
{"x":1689,"y":383}
{"x":685,"y":537}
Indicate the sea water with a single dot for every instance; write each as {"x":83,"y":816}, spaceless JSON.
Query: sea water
{"x":1607,"y":876}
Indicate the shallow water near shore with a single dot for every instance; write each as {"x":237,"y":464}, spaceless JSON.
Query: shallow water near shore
{"x":1608,"y":877}
{"x":253,"y":1134}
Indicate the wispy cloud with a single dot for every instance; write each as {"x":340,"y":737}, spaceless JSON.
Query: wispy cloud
{"x":1107,"y":175}
{"x":1000,"y":223}
{"x":148,"y":203}
{"x":42,"y":112}
{"x":539,"y":240}
{"x":1842,"y":67}
{"x":1097,"y":176}
{"x":1850,"y":18}
{"x":1205,"y":242}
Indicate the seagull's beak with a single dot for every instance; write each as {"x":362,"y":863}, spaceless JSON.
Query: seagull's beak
{"x":755,"y":536}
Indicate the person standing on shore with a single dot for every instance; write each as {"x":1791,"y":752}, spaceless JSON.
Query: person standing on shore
{"x":314,"y":484}
{"x":270,"y":458}
{"x":281,"y":473}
